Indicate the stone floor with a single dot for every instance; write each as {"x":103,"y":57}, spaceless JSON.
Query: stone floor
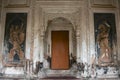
{"x":36,"y":78}
{"x":60,"y":79}
{"x":23,"y":77}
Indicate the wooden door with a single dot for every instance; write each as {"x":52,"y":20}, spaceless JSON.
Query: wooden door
{"x":60,"y":50}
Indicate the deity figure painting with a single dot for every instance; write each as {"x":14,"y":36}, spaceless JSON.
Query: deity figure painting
{"x":105,"y":37}
{"x":14,"y":39}
{"x":17,"y":36}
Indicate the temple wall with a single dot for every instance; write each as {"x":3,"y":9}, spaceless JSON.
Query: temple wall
{"x":78,"y":12}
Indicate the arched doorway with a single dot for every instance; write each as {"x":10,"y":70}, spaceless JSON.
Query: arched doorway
{"x":60,"y":43}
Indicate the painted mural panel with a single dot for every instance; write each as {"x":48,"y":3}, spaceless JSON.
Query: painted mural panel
{"x":14,"y":38}
{"x":105,"y":38}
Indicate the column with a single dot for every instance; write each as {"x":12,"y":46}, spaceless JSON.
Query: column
{"x":78,"y":48}
{"x":41,"y":48}
{"x":36,"y":47}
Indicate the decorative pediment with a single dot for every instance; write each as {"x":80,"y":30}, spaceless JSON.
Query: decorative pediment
{"x":60,"y":6}
{"x":50,"y":9}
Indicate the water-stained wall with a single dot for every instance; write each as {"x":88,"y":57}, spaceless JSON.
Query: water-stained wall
{"x":79,"y":12}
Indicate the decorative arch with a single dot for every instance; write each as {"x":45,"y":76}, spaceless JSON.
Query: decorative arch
{"x":59,"y":24}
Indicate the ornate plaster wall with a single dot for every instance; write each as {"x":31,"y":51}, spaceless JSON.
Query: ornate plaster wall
{"x":78,"y":12}
{"x":48,"y":12}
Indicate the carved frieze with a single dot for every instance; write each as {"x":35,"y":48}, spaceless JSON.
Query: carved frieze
{"x":16,"y":3}
{"x":103,"y":3}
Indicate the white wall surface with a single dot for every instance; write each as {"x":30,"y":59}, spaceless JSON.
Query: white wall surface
{"x":78,"y":12}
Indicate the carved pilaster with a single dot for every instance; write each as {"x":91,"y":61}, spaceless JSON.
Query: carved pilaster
{"x":41,"y":48}
{"x":36,"y":30}
{"x":32,"y":30}
{"x":32,"y":44}
{"x":78,"y":46}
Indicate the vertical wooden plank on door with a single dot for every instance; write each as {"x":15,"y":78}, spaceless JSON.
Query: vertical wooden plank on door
{"x":60,"y":50}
